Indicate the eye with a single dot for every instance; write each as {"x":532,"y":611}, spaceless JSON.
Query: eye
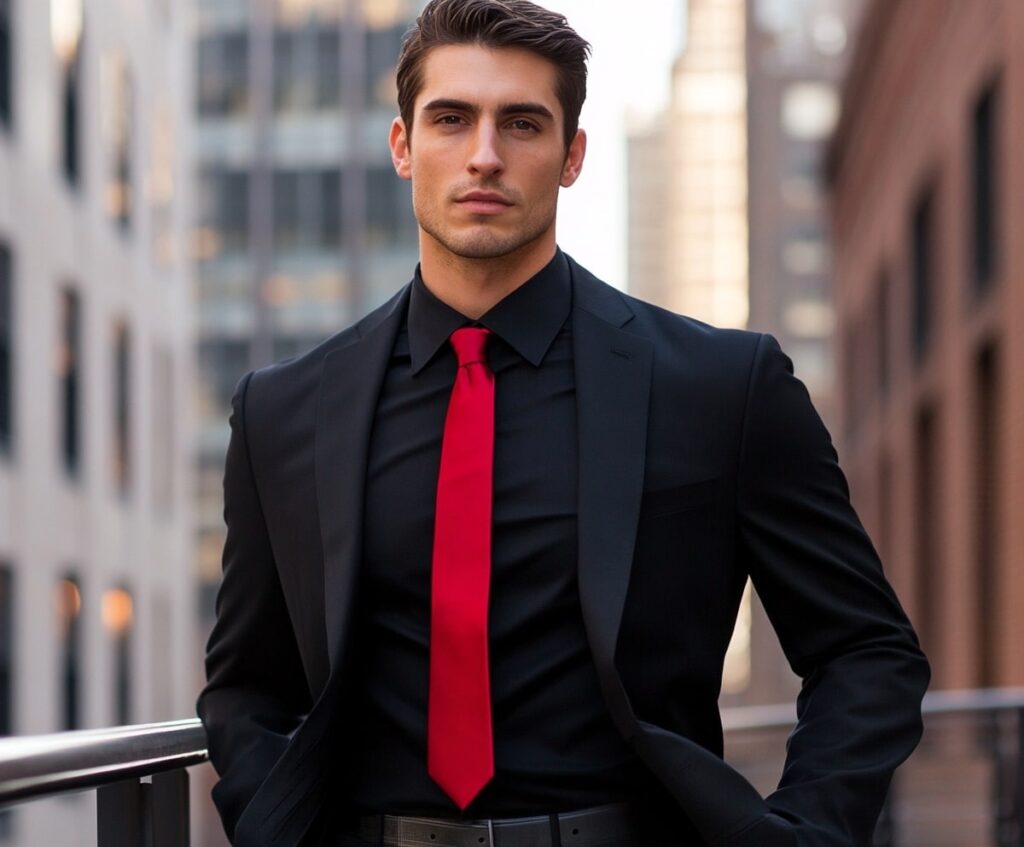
{"x":523,"y":125}
{"x":449,"y":120}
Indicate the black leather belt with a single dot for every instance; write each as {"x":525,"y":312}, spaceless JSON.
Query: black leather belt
{"x":601,"y":826}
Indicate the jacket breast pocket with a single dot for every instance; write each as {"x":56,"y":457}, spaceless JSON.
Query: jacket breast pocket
{"x":678,"y":498}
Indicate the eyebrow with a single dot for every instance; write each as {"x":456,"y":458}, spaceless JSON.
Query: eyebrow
{"x":504,"y":109}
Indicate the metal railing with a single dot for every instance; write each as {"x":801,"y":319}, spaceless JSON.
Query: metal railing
{"x":138,"y":773}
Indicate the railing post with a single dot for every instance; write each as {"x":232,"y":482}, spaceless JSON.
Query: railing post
{"x":144,"y":814}
{"x":170,"y":809}
{"x":1018,"y":788}
{"x":1008,"y":747}
{"x":121,"y":813}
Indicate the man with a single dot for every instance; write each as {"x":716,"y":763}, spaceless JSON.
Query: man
{"x":486,"y":547}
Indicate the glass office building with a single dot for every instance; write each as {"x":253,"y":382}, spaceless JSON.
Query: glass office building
{"x":301,"y":224}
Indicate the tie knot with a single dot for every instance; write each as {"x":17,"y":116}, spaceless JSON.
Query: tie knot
{"x":470,"y":343}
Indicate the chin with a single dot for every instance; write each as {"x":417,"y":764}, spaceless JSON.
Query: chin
{"x":485,"y":244}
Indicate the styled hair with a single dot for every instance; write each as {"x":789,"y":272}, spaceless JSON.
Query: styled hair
{"x":494,"y":24}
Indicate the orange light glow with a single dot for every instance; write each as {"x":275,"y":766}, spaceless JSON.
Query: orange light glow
{"x":118,"y":610}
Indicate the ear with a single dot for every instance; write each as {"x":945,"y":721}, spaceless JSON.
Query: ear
{"x":398,"y":141}
{"x":574,"y":159}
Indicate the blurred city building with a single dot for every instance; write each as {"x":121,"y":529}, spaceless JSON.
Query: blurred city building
{"x":687,"y":177}
{"x":96,"y":534}
{"x":301,"y":223}
{"x":797,"y":52}
{"x":928,"y":192}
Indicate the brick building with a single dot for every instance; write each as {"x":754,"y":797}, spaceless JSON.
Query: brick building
{"x":928,"y":192}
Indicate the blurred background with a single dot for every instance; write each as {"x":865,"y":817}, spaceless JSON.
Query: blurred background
{"x":193,"y":188}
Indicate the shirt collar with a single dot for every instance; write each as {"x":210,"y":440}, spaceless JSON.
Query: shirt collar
{"x":528,"y":319}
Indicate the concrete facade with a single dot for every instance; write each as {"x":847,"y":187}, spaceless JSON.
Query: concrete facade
{"x":110,"y":505}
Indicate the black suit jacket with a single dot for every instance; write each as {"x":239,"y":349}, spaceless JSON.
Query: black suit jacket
{"x":701,"y":461}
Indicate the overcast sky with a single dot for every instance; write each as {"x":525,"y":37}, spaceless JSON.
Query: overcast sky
{"x":634,"y":45}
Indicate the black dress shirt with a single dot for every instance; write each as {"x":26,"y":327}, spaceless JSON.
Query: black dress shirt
{"x":555,"y":745}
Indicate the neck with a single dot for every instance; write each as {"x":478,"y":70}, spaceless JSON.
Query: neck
{"x":473,"y":286}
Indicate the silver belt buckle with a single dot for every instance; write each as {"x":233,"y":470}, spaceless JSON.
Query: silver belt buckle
{"x":490,"y":833}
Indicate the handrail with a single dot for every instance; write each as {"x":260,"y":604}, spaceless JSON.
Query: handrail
{"x":946,"y":702}
{"x":41,"y":765}
{"x":131,"y":811}
{"x":35,"y":766}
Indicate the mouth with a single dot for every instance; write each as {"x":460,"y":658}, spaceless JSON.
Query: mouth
{"x":484,"y":202}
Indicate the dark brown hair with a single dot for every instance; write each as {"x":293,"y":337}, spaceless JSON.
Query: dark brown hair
{"x":496,"y":23}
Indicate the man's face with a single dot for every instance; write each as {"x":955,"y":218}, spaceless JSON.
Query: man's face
{"x":486,"y":154}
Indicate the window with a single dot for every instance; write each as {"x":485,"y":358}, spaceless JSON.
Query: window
{"x":985,"y":173}
{"x":122,"y":453}
{"x":224,"y":210}
{"x":118,"y":613}
{"x":986,"y":530}
{"x":307,"y":208}
{"x":223,"y":76}
{"x":6,"y":352}
{"x":69,"y":377}
{"x":389,"y":208}
{"x":306,"y":68}
{"x":328,"y":69}
{"x":118,"y":116}
{"x":382,"y":48}
{"x":330,"y":210}
{"x":287,"y":82}
{"x":923,"y":243}
{"x":928,"y":567}
{"x":6,"y":64}
{"x":222,"y":362}
{"x":287,"y":224}
{"x":66,"y":36}
{"x":69,"y":616}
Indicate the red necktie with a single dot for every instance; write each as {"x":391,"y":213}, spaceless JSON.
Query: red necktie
{"x":460,"y":751}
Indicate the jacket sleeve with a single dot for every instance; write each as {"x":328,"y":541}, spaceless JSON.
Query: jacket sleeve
{"x":839,"y":622}
{"x":256,"y":694}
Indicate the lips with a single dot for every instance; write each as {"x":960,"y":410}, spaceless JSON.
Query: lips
{"x":484,"y":202}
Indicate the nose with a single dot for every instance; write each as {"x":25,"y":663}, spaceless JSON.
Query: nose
{"x":485,"y":157}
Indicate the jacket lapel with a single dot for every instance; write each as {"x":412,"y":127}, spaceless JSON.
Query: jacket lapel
{"x":349,"y":388}
{"x":613,"y":380}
